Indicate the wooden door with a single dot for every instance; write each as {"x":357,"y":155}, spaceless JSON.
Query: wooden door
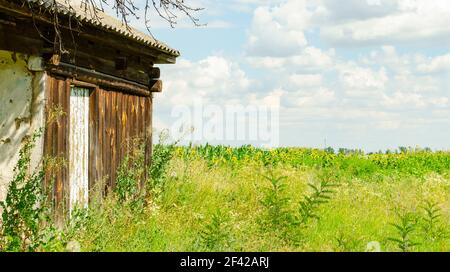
{"x":79,"y":147}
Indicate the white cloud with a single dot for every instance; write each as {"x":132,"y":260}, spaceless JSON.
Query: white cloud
{"x":382,"y":90}
{"x":313,"y":59}
{"x":278,"y":31}
{"x":359,"y":81}
{"x":437,"y":64}
{"x":305,"y":80}
{"x":210,"y":78}
{"x":336,"y":11}
{"x":309,"y":59}
{"x":307,"y":99}
{"x":404,"y":21}
{"x":402,"y":101}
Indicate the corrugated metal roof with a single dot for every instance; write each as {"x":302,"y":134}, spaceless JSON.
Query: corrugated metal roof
{"x":104,"y":21}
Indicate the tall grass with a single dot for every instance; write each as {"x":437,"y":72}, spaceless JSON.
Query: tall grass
{"x":205,"y":198}
{"x":235,"y":204}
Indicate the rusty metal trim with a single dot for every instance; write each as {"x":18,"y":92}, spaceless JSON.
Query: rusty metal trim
{"x":79,"y":74}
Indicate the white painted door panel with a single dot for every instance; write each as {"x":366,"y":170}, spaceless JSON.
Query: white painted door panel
{"x":79,"y":147}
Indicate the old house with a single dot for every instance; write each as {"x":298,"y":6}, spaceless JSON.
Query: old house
{"x":87,"y":78}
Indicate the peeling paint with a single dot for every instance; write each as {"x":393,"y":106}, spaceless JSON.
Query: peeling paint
{"x":79,"y":147}
{"x":21,"y":112}
{"x":5,"y":141}
{"x":35,"y":64}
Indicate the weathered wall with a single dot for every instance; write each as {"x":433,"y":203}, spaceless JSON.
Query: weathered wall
{"x":114,"y":119}
{"x":22,"y":102}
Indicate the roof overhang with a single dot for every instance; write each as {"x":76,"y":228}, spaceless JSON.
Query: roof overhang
{"x":98,"y":26}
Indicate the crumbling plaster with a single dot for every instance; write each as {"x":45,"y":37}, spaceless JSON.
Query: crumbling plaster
{"x":22,"y":106}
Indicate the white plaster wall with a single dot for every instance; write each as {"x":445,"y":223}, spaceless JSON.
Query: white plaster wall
{"x":22,"y":104}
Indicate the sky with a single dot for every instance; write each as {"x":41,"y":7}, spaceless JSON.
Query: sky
{"x":366,"y":74}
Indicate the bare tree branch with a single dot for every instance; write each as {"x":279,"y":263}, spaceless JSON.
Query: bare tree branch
{"x":168,"y":10}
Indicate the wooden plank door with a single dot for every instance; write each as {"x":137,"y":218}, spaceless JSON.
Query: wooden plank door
{"x":79,"y":147}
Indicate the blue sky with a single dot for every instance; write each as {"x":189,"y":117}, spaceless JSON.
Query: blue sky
{"x":370,"y":74}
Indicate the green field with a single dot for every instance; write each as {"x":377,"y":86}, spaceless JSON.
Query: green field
{"x":209,"y":198}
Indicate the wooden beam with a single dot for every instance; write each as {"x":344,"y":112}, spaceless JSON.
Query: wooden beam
{"x":99,"y":79}
{"x":156,"y":86}
{"x":154,"y":73}
{"x":16,"y":39}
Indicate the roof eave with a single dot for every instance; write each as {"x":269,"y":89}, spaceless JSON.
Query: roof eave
{"x":166,"y":55}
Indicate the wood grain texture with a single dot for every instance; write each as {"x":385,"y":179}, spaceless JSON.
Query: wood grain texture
{"x":115,"y":119}
{"x":56,"y":143}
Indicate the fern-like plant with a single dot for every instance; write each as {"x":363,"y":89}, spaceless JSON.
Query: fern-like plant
{"x":276,"y":203}
{"x":215,"y":234}
{"x":347,"y":243}
{"x":321,"y":194}
{"x":431,"y":221}
{"x":404,"y":230}
{"x":432,"y":215}
{"x":279,"y":215}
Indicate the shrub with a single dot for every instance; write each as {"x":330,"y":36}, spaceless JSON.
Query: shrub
{"x":24,"y":210}
{"x":404,"y":230}
{"x":130,"y":175}
{"x":276,"y":203}
{"x":430,"y":220}
{"x":321,"y":194}
{"x":216,"y":234}
{"x":161,"y":157}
